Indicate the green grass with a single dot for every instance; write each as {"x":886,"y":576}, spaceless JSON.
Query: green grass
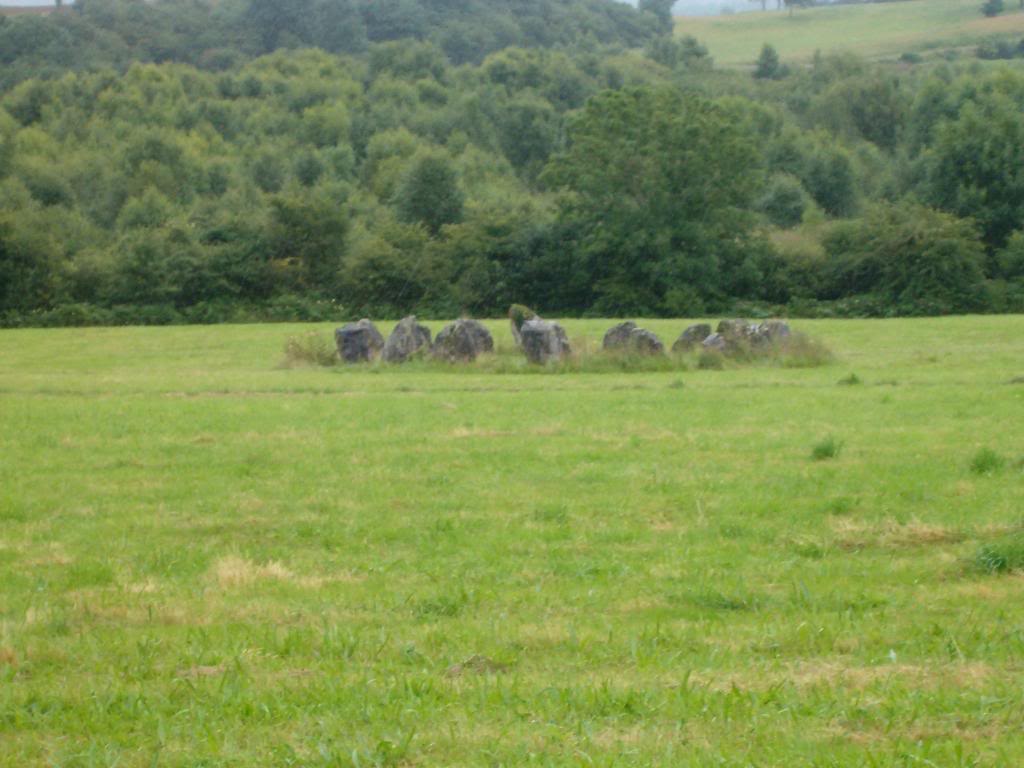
{"x":209,"y":559}
{"x":875,"y":30}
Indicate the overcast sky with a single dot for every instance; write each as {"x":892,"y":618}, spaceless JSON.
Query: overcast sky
{"x":682,"y":7}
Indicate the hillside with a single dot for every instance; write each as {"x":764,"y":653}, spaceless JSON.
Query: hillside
{"x":877,"y":30}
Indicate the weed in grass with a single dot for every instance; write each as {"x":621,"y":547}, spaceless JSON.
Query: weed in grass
{"x":987,"y":462}
{"x":1001,"y":555}
{"x":715,"y":600}
{"x":309,"y":349}
{"x":828,"y":448}
{"x":551,"y":513}
{"x":841,"y":505}
{"x":850,"y":381}
{"x":676,"y":384}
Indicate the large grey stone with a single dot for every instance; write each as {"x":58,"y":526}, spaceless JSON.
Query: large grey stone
{"x":771,"y":333}
{"x":715,"y":342}
{"x":644,"y":342}
{"x":692,"y":337}
{"x":735,"y":331}
{"x":626,"y":337}
{"x":463,"y":341}
{"x":543,"y":341}
{"x":517,"y":315}
{"x":359,"y":342}
{"x":617,"y":337}
{"x":407,"y":340}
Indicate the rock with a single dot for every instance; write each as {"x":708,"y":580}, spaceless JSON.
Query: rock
{"x":517,"y":315}
{"x":735,"y":330}
{"x":462,"y":341}
{"x":715,"y":342}
{"x":626,"y":337}
{"x":770,"y":332}
{"x":691,"y":337}
{"x":359,"y":342}
{"x":644,"y":342}
{"x":543,"y":340}
{"x":617,"y":337}
{"x":407,"y":340}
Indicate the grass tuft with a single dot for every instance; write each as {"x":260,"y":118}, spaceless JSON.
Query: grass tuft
{"x":1002,"y":555}
{"x":850,"y":381}
{"x":828,"y":448}
{"x":309,"y":349}
{"x":987,"y":462}
{"x":711,"y":361}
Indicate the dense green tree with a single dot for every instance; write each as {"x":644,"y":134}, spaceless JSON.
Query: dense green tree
{"x":784,"y":201}
{"x":993,"y":7}
{"x":657,"y":181}
{"x":662,"y":11}
{"x":976,"y":166}
{"x":429,"y":193}
{"x":768,"y":65}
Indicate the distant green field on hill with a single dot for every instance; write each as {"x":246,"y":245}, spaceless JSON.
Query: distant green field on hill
{"x":883,"y":30}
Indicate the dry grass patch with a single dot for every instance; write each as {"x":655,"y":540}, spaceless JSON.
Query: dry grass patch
{"x":235,"y":571}
{"x":889,"y":534}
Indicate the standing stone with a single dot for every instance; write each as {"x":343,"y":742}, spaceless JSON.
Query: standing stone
{"x":517,"y":315}
{"x":691,"y":337}
{"x":644,"y":342}
{"x":715,"y":342}
{"x":462,"y":341}
{"x":407,"y":340}
{"x":735,"y":331}
{"x":543,"y":341}
{"x":626,"y":337}
{"x":771,"y":332}
{"x":617,"y":337}
{"x":359,"y":342}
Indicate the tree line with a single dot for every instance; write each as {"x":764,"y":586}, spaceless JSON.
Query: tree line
{"x":596,"y":176}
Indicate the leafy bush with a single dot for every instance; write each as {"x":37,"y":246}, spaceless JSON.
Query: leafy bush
{"x":993,"y":7}
{"x":916,"y":260}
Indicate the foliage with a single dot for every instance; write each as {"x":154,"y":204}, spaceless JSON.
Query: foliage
{"x":993,"y":7}
{"x":768,"y":66}
{"x":647,"y":227}
{"x":914,"y":259}
{"x":555,"y":167}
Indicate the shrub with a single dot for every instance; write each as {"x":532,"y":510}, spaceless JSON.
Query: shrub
{"x":987,"y":462}
{"x":993,"y":7}
{"x":828,"y":448}
{"x":309,"y":349}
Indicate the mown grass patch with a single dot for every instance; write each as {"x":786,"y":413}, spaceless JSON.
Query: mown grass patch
{"x":206,"y":558}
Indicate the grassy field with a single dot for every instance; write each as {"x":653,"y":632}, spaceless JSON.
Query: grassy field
{"x":876,"y":30}
{"x":210,"y":560}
